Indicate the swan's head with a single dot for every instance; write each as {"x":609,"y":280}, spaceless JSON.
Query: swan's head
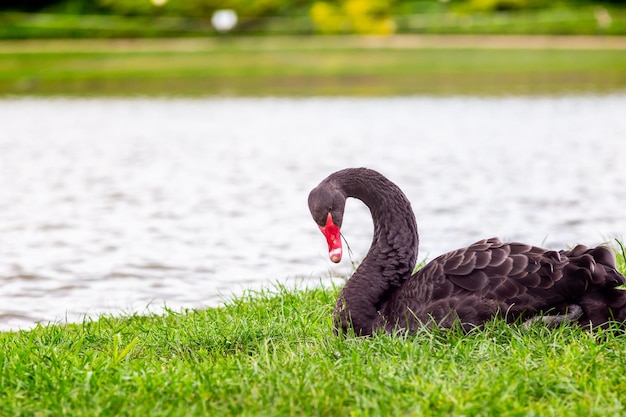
{"x":327,"y":204}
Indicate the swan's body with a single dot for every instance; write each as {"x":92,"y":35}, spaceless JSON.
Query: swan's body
{"x":468,"y":286}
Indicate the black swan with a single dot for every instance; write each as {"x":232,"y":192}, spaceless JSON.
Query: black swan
{"x":468,"y":286}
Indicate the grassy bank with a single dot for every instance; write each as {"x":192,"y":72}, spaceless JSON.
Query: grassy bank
{"x":314,"y":66}
{"x":273,"y":353}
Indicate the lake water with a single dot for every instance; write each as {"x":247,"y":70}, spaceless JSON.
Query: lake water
{"x":130,"y":205}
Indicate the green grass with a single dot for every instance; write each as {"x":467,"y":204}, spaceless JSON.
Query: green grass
{"x":553,"y":20}
{"x":302,"y":67}
{"x":273,"y":353}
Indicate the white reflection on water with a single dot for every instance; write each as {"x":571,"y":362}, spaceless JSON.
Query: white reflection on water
{"x":110,"y":205}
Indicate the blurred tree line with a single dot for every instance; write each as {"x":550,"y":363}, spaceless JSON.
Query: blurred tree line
{"x":322,"y":16}
{"x":268,"y":8}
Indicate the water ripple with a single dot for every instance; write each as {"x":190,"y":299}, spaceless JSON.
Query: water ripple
{"x":117,"y":205}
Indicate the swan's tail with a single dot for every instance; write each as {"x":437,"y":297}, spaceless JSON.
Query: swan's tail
{"x":603,"y":306}
{"x":603,"y":302}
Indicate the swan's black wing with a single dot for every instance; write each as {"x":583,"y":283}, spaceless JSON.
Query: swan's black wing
{"x":489,"y":278}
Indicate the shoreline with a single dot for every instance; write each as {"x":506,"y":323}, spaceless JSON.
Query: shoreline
{"x":268,"y":43}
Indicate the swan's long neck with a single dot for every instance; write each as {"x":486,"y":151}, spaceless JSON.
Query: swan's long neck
{"x":391,"y":257}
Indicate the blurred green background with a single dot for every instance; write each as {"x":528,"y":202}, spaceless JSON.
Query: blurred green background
{"x":147,"y":18}
{"x":311,"y":48}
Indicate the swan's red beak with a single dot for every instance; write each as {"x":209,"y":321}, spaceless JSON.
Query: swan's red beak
{"x":333,"y":237}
